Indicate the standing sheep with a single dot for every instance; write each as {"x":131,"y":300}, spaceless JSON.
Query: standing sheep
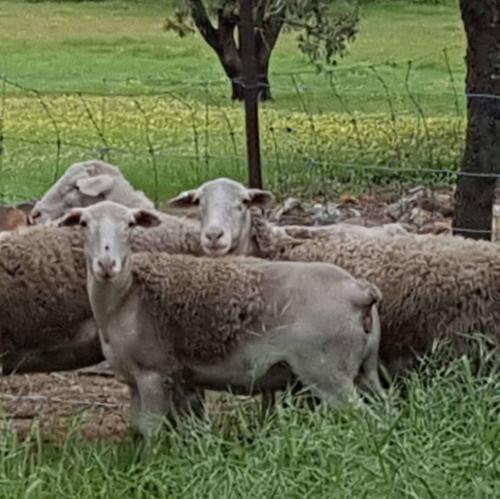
{"x":173,"y":324}
{"x":433,"y":286}
{"x":45,"y":320}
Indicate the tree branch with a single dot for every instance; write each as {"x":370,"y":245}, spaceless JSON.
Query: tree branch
{"x":260,"y":13}
{"x":203,"y":23}
{"x":229,"y":53}
{"x":269,"y":34}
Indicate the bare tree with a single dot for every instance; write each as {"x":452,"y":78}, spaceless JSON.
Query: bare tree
{"x":322,"y":31}
{"x":476,"y":186}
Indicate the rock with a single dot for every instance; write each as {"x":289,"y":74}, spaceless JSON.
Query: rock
{"x":325,"y":214}
{"x":436,"y":227}
{"x":292,"y":213}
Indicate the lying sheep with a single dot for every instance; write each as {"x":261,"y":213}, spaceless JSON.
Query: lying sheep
{"x":325,"y":231}
{"x":90,"y":182}
{"x":173,"y":324}
{"x":84,"y":184}
{"x":224,"y":208}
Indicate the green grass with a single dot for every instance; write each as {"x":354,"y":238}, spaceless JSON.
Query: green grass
{"x":89,"y":46}
{"x":376,"y":110}
{"x":440,"y":440}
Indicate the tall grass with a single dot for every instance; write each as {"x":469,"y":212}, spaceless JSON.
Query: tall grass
{"x":437,"y":436}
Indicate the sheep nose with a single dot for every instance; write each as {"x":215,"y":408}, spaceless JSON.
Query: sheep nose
{"x":106,"y":264}
{"x":214,"y":234}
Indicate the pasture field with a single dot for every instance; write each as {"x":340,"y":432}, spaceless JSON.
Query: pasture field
{"x":438,"y":436}
{"x":90,"y":79}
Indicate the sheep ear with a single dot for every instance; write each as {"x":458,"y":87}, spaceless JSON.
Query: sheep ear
{"x":186,"y":199}
{"x":145,"y":218}
{"x":95,"y":186}
{"x":73,"y":217}
{"x":259,"y":198}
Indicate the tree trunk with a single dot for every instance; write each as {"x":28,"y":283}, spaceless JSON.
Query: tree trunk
{"x":222,"y":41}
{"x":475,"y":192}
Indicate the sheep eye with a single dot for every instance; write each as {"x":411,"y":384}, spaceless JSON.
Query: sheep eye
{"x":131,"y":224}
{"x":83,"y":223}
{"x":76,"y":188}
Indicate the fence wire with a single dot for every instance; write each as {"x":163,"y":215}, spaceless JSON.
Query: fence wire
{"x":319,"y":138}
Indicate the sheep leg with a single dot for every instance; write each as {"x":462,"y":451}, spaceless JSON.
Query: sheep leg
{"x":134,"y":409}
{"x":324,"y":377}
{"x":156,"y":396}
{"x":369,"y":379}
{"x":191,"y":401}
{"x":268,"y":402}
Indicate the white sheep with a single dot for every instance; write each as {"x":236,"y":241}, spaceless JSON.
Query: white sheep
{"x":433,"y":286}
{"x":171,"y":324}
{"x":90,"y":182}
{"x":45,"y":320}
{"x":224,"y":207}
{"x":61,"y":334}
{"x":84,"y":184}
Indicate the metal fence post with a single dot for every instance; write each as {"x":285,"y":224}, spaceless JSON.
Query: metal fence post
{"x":250,"y":92}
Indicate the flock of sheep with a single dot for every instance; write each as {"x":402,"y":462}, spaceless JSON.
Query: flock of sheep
{"x":102,"y":275}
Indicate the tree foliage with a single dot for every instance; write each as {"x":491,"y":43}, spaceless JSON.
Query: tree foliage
{"x":323,"y":28}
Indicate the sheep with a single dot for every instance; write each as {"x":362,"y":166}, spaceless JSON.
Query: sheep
{"x":224,"y":207}
{"x":425,"y":279}
{"x":433,"y":286}
{"x":325,"y":231}
{"x":173,"y":324}
{"x":45,"y":320}
{"x":84,"y":184}
{"x":63,"y":340}
{"x":12,"y":218}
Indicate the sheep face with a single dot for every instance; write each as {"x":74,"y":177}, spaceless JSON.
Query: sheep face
{"x":107,"y":228}
{"x":80,"y":186}
{"x":224,"y":208}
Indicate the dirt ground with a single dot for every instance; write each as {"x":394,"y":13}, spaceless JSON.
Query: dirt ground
{"x":90,"y":400}
{"x":54,"y":402}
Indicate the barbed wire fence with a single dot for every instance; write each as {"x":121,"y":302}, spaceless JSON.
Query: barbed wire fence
{"x":358,"y":128}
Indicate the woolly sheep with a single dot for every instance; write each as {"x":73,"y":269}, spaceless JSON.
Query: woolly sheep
{"x":171,"y":324}
{"x":433,"y":286}
{"x":87,"y":183}
{"x":45,"y":319}
{"x":224,"y":207}
{"x":84,"y":184}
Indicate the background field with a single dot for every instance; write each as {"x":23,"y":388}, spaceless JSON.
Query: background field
{"x":378,"y":118}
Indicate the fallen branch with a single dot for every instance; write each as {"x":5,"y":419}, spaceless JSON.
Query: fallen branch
{"x":45,"y":399}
